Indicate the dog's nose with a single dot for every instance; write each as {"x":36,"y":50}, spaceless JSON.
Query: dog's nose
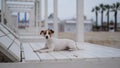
{"x":46,"y":37}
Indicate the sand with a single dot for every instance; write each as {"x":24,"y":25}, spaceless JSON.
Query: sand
{"x":111,"y":39}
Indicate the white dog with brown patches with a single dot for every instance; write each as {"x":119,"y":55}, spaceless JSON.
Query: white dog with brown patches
{"x":54,"y":44}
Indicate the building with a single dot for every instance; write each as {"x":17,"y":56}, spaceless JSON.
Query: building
{"x":111,"y":26}
{"x":68,"y":25}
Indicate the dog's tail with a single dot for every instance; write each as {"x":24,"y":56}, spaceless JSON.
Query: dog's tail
{"x":77,"y":46}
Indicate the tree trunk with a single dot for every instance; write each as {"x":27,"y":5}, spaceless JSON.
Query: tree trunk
{"x":115,"y":26}
{"x":102,"y":20}
{"x":97,"y":21}
{"x":108,"y":20}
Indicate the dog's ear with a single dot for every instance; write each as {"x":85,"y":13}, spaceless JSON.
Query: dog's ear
{"x":42,"y":32}
{"x":52,"y":31}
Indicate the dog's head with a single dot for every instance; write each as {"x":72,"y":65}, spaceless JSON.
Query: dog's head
{"x":47,"y":33}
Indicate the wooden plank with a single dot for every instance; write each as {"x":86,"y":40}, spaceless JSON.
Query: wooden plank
{"x":101,"y":47}
{"x":105,"y":48}
{"x":11,"y":36}
{"x":93,"y":51}
{"x":37,"y":45}
{"x":75,"y":55}
{"x":5,"y":41}
{"x":30,"y":56}
{"x":15,"y":50}
{"x":17,"y":41}
{"x":1,"y":34}
{"x":82,"y":54}
{"x":82,"y":46}
{"x":43,"y":56}
{"x":46,"y":57}
{"x":100,"y":51}
{"x":59,"y":57}
{"x":68,"y":54}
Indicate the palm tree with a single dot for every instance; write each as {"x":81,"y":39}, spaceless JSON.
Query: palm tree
{"x":108,"y":10}
{"x":102,"y":8}
{"x":115,"y":7}
{"x":96,"y":9}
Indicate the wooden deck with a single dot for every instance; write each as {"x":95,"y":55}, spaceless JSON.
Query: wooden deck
{"x":88,"y":51}
{"x":90,"y":55}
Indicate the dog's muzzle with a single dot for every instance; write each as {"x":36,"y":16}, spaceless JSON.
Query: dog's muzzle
{"x":46,"y":37}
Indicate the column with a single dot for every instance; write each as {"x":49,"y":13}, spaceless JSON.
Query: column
{"x":7,"y":15}
{"x":18,"y":17}
{"x":25,"y":17}
{"x":39,"y":11}
{"x":31,"y":18}
{"x":18,"y":20}
{"x":46,"y":14}
{"x":55,"y":18}
{"x":17,"y":23}
{"x":9,"y":18}
{"x":80,"y":21}
{"x":35,"y":13}
{"x":2,"y":10}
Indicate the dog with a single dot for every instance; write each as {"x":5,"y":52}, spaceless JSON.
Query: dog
{"x":54,"y":44}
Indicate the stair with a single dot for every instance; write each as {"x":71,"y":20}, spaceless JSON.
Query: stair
{"x":32,"y":39}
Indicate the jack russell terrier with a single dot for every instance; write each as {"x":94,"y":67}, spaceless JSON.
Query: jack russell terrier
{"x":54,"y":44}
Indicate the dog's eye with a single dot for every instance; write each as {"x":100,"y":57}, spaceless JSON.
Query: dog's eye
{"x":49,"y":33}
{"x":44,"y":33}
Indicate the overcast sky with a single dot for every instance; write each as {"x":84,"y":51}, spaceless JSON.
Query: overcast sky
{"x":67,"y":8}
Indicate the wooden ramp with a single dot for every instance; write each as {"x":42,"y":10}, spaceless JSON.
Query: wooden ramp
{"x":9,"y":44}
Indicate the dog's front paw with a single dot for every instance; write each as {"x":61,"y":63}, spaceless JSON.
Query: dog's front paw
{"x":41,"y":51}
{"x":35,"y":50}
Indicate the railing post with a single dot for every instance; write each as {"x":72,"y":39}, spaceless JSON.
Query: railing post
{"x":21,"y":51}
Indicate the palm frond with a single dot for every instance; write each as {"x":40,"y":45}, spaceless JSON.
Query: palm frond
{"x":101,"y":5}
{"x":117,"y":5}
{"x":97,"y":8}
{"x":113,"y":6}
{"x":107,"y":6}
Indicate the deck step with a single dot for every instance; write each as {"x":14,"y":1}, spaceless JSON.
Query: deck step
{"x":32,"y":39}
